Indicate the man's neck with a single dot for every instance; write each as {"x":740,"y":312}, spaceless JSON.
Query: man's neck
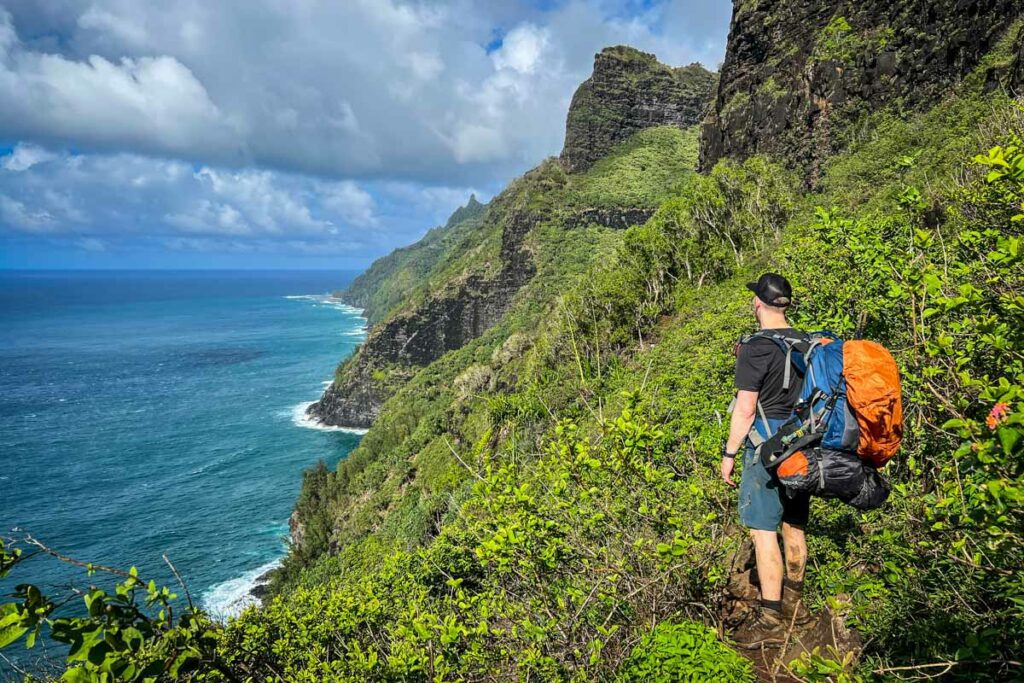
{"x":774,"y":322}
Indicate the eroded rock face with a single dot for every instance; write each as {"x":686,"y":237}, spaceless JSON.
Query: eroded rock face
{"x":354,"y":401}
{"x":415,"y":338}
{"x":629,"y":91}
{"x":615,"y":218}
{"x":798,"y":76}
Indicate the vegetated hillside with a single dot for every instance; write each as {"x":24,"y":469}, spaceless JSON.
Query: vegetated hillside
{"x":402,"y":461}
{"x":392,"y":279}
{"x":542,"y":503}
{"x":475,"y":278}
{"x":514,"y":513}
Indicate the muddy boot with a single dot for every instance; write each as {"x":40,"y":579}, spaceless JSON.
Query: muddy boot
{"x":793,"y":609}
{"x":765,"y":629}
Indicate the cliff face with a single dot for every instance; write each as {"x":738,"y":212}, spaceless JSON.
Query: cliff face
{"x":629,"y":91}
{"x":460,"y":310}
{"x":798,"y":76}
{"x":390,"y":280}
{"x":437,"y":295}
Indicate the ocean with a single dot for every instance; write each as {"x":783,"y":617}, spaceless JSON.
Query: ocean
{"x":153,"y":413}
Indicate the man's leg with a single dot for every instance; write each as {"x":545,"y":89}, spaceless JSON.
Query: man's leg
{"x":761,"y":511}
{"x":796,"y":551}
{"x":795,"y":543}
{"x":769,"y":563}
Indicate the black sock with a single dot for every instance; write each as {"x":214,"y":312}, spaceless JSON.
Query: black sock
{"x":772,"y":604}
{"x":797,"y":586}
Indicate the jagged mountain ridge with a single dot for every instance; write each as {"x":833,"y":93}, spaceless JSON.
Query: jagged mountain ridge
{"x":629,"y":91}
{"x":436,"y":295}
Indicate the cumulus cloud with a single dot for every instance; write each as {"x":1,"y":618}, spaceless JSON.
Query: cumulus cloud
{"x":25,"y":218}
{"x":25,"y":156}
{"x":351,"y":202}
{"x":148,"y":103}
{"x":361,"y":89}
{"x":101,"y":202}
{"x":313,"y":127}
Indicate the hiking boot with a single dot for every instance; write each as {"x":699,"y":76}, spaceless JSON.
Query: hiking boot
{"x":766,"y":628}
{"x":793,"y":609}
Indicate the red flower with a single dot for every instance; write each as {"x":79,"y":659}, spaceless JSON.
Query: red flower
{"x":997,"y":415}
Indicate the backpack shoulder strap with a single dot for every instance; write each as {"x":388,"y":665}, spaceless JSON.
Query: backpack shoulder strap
{"x":786,"y":344}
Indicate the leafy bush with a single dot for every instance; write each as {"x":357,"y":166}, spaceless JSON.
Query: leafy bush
{"x":684,"y":652}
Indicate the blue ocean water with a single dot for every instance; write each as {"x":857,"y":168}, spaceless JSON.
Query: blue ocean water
{"x":152,"y":413}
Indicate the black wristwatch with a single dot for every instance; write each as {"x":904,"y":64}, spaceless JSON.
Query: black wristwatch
{"x":726,"y":453}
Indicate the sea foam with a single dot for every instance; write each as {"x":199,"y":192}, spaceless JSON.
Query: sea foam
{"x":230,"y":598}
{"x":326,"y":300}
{"x":302,"y":419}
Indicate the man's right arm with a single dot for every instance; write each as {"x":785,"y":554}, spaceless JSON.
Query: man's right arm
{"x":751,"y":365}
{"x":739,"y":426}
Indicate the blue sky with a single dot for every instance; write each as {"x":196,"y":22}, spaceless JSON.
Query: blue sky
{"x":300,"y":134}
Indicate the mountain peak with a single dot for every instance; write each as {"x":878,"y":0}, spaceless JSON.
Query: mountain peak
{"x":471,"y":209}
{"x":628,"y":91}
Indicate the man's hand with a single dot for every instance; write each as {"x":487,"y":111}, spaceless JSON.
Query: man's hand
{"x":728,"y":465}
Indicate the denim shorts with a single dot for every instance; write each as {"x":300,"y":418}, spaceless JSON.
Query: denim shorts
{"x":763,"y":501}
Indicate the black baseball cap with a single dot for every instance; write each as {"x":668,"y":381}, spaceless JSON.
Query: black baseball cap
{"x":773,"y":289}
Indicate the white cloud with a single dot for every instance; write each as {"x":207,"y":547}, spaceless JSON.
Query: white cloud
{"x":107,"y":22}
{"x":25,"y":156}
{"x":478,"y":143}
{"x":522,"y":49}
{"x":91,"y":244}
{"x":24,"y":218}
{"x":365,"y":89}
{"x":320,"y":128}
{"x":346,"y":199}
{"x":114,"y":198}
{"x":145,"y":103}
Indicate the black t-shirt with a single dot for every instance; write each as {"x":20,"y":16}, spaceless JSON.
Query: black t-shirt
{"x":761,"y":367}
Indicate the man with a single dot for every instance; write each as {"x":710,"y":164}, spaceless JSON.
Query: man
{"x":762,"y":396}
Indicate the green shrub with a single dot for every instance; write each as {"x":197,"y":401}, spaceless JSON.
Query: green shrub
{"x":684,"y":651}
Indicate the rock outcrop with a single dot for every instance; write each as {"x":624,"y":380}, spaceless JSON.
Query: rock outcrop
{"x":798,"y":76}
{"x":417,"y":336}
{"x":629,"y":91}
{"x":412,"y":325}
{"x":617,"y":218}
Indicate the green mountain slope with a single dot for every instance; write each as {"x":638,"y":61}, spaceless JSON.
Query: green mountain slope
{"x":537,"y":497}
{"x":530,"y":504}
{"x":392,"y":279}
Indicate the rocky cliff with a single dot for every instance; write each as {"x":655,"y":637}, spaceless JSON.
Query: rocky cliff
{"x":435,"y":296}
{"x":799,"y":76}
{"x":392,"y":279}
{"x":629,"y":91}
{"x":461,"y":308}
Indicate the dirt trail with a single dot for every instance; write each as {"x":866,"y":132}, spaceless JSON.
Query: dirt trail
{"x":826,"y":631}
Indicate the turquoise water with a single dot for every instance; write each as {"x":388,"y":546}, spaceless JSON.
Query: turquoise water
{"x":152,"y":413}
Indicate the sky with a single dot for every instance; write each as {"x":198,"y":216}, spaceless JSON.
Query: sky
{"x":288,"y":133}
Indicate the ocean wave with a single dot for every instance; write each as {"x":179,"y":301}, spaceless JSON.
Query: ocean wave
{"x":302,"y":419}
{"x":326,"y":300}
{"x":230,"y":598}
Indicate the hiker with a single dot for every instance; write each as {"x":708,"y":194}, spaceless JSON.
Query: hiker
{"x":767,"y":390}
